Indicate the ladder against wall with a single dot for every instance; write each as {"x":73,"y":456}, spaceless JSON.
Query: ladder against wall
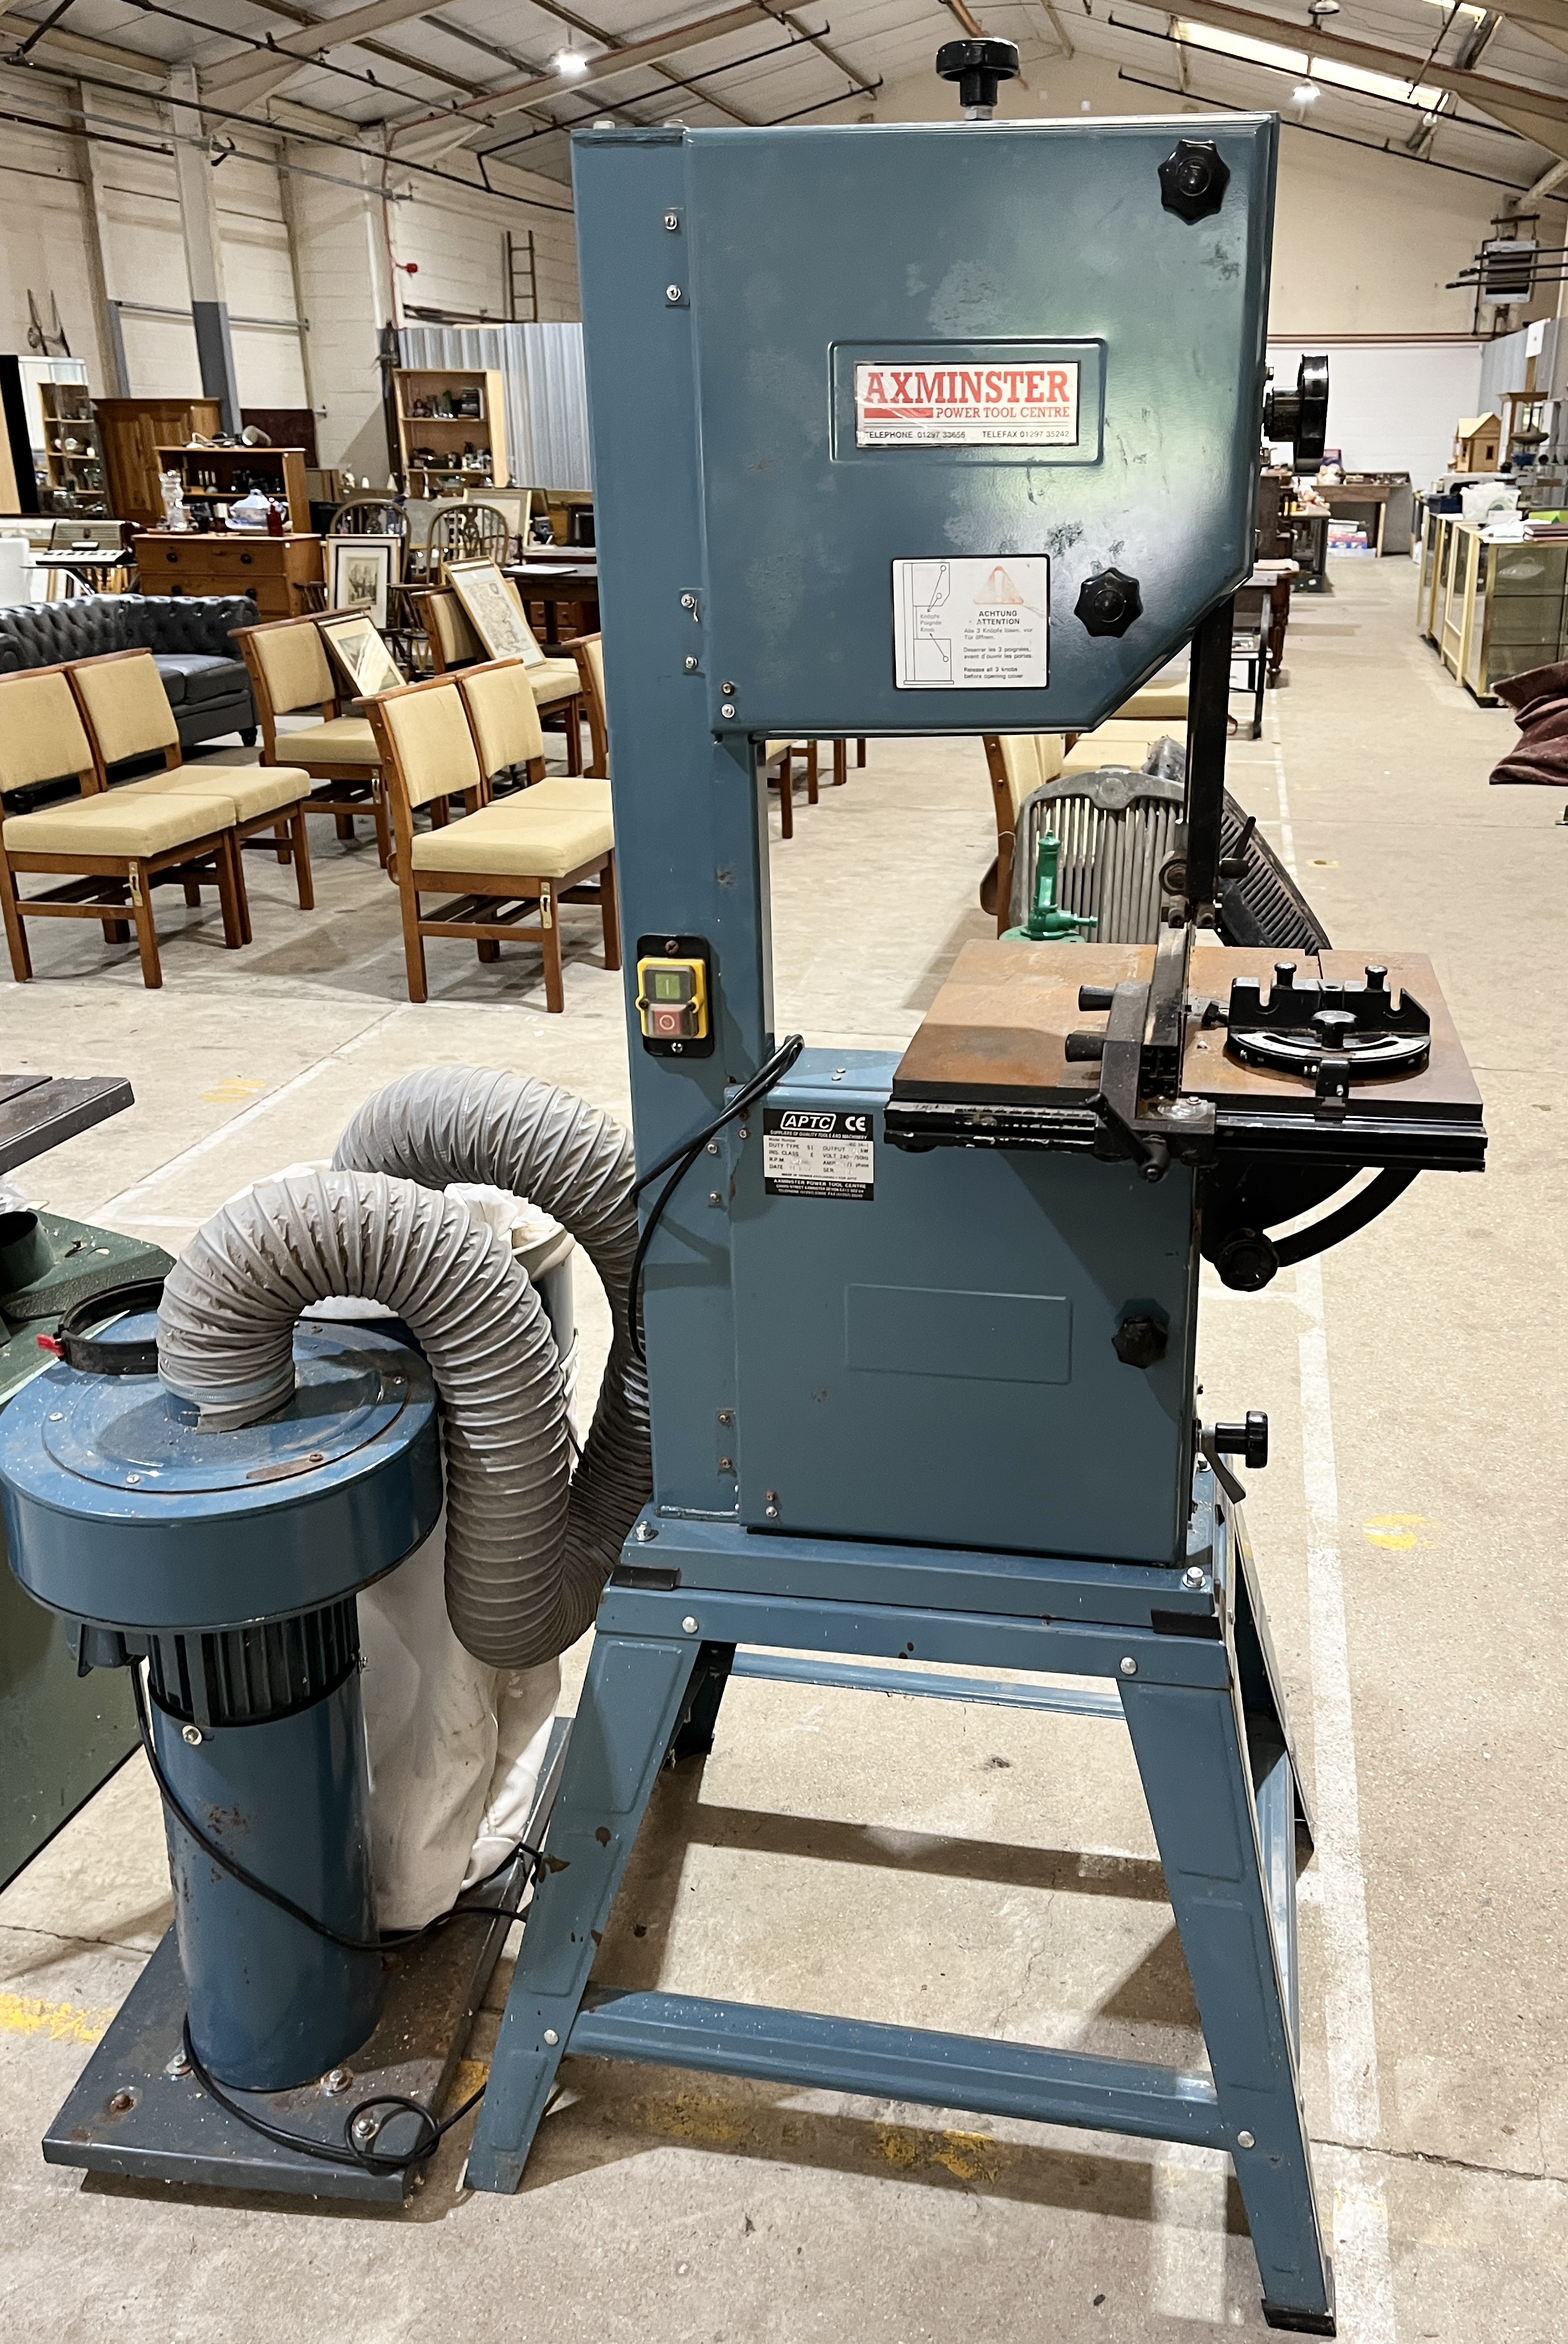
{"x":521,"y":278}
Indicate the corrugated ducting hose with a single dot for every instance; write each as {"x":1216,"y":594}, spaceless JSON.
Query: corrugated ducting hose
{"x":529,"y":1546}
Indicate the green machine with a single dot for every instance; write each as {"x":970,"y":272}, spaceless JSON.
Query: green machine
{"x":63,"y":1732}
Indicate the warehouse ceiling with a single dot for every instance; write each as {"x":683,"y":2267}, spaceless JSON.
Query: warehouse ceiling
{"x":489,"y":87}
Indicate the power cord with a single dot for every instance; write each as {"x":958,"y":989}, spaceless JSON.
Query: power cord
{"x":684,"y":1156}
{"x":391,"y":1941}
{"x":352,"y":2152}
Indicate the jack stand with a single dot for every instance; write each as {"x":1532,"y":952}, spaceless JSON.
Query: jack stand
{"x":1194,"y":1678}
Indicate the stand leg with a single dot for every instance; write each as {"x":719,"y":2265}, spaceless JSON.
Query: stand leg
{"x":631,"y":1708}
{"x":1197,"y":1777}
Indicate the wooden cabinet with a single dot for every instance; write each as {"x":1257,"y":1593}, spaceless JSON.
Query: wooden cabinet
{"x":222,"y":475}
{"x":452,"y":430}
{"x":132,"y":431}
{"x":1492,"y":608}
{"x":276,"y":569}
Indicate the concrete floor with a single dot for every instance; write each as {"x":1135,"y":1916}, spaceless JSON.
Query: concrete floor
{"x":969,"y":1867}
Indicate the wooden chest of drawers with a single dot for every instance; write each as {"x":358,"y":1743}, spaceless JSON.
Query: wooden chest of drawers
{"x":275,"y":570}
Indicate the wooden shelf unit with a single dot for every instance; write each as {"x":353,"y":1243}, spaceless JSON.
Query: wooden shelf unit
{"x":430,"y":448}
{"x":215,"y":473}
{"x":75,"y":473}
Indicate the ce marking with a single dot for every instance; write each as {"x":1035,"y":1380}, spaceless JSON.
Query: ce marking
{"x":859,"y":1124}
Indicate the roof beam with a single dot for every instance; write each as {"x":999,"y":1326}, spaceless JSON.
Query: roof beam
{"x":255,"y":73}
{"x":60,"y":43}
{"x":453,"y":124}
{"x":613,"y":41}
{"x":1514,"y":103}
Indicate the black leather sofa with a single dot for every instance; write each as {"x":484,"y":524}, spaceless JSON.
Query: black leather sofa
{"x":188,"y":635}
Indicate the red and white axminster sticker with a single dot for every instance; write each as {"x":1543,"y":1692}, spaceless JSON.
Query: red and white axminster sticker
{"x":1023,"y":405}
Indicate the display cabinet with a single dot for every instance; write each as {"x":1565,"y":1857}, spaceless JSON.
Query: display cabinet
{"x":452,"y":429}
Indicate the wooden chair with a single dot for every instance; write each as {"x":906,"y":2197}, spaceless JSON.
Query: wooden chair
{"x":107,"y":849}
{"x":784,"y":753}
{"x":369,"y":517}
{"x":505,"y":862}
{"x":290,"y":670}
{"x":504,"y":720}
{"x":556,"y":685}
{"x":588,"y":651}
{"x":468,"y":533}
{"x":127,"y":713}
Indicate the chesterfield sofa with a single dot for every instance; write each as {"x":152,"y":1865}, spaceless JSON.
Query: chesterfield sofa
{"x":188,"y":635}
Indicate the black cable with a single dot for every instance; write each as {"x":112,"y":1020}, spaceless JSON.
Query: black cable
{"x":684,"y":1156}
{"x":373,"y":2161}
{"x":236,"y":1871}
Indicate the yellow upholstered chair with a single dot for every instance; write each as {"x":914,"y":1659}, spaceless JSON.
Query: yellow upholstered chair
{"x":127,"y":713}
{"x":106,"y":849}
{"x":1162,"y":706}
{"x":1117,"y":742}
{"x":452,"y":641}
{"x":588,"y":651}
{"x":290,"y":670}
{"x":504,"y":717}
{"x":1019,"y":763}
{"x":528,"y":854}
{"x":556,"y":686}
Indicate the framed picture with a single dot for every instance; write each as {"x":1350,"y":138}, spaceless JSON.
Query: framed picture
{"x":494,"y":612}
{"x":362,"y":571}
{"x":367,"y":664}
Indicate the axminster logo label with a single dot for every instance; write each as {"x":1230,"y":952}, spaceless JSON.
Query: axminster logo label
{"x":957,"y":406}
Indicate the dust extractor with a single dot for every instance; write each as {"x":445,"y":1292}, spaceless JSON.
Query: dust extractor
{"x":208,"y":1486}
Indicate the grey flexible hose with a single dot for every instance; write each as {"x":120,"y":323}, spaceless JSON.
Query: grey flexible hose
{"x":225,"y":1340}
{"x":469,"y":1124}
{"x":528,"y":1551}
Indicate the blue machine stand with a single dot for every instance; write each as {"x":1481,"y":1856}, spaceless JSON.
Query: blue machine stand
{"x":1191,"y":1670}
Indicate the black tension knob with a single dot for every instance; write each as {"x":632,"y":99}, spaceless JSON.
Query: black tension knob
{"x":1249,"y":1442}
{"x":1193,"y":179}
{"x":1095,"y":997}
{"x":1083,"y":1049}
{"x":1142,"y":1340}
{"x":1109,"y":602}
{"x":978,"y":68}
{"x":1246,"y":1260}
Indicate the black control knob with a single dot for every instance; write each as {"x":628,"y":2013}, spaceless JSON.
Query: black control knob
{"x":1247,"y":1262}
{"x":1193,"y":179}
{"x":978,"y":68}
{"x":1140,"y":1341}
{"x":1083,"y":1049}
{"x":1109,"y":602}
{"x":1249,"y":1442}
{"x":1095,"y":997}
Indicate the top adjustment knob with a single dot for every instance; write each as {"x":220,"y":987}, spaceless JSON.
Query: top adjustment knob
{"x":1193,"y":178}
{"x":977,"y":67}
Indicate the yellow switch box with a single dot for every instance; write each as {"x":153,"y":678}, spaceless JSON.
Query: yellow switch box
{"x":673,"y":999}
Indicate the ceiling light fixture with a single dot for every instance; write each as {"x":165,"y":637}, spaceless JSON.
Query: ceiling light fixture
{"x":1305,"y":93}
{"x":569,"y":63}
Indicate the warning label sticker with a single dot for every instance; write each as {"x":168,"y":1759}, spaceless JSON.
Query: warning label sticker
{"x":972,"y":625}
{"x":966,"y":406}
{"x":818,"y":1152}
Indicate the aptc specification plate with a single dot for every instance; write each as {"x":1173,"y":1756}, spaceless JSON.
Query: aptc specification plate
{"x":818,"y":1152}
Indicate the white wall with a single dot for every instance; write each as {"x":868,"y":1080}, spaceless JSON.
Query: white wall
{"x":346,"y":238}
{"x":1391,"y":409}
